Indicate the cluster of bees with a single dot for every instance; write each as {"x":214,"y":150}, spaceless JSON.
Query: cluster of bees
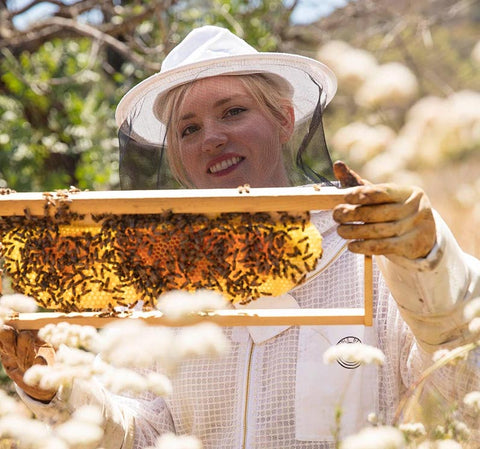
{"x":118,"y":260}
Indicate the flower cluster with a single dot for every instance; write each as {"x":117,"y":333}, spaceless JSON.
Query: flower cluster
{"x":351,"y":65}
{"x":354,"y":352}
{"x":472,"y":400}
{"x":82,"y":431}
{"x":435,"y":129}
{"x":176,"y":304}
{"x":476,"y":54}
{"x":390,"y":85}
{"x":472,"y":315}
{"x":381,"y":437}
{"x":373,"y":85}
{"x":83,"y":352}
{"x":15,"y":303}
{"x":112,"y":356}
{"x":109,"y":354}
{"x":359,"y":142}
{"x":71,"y":335}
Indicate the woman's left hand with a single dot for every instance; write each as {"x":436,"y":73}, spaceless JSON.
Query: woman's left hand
{"x":384,"y":218}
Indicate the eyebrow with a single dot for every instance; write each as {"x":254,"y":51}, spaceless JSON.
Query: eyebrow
{"x":218,"y":103}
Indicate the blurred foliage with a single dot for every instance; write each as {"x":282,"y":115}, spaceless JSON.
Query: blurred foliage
{"x":56,"y":125}
{"x":57,"y":102}
{"x":439,"y":56}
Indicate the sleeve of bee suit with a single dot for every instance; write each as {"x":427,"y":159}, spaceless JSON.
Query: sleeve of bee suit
{"x":431,"y":292}
{"x":129,"y":423}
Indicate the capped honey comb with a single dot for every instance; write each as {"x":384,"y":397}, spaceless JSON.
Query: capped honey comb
{"x":70,"y":266}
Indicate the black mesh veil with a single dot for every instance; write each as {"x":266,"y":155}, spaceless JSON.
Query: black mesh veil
{"x":143,"y":165}
{"x":143,"y":147}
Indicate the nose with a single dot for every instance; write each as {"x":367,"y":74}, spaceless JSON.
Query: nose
{"x":214,"y":139}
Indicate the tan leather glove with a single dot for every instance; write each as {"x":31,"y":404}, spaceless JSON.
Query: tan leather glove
{"x":19,"y":351}
{"x":384,"y":219}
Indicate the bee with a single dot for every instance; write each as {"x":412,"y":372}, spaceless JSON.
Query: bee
{"x":244,"y":189}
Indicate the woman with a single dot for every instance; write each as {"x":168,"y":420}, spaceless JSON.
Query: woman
{"x":226,"y":115}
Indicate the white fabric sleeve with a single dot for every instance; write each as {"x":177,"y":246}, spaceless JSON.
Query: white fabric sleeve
{"x":129,"y":423}
{"x":118,"y":421}
{"x":431,"y":292}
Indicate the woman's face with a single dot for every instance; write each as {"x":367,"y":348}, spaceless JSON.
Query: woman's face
{"x":225,"y":139}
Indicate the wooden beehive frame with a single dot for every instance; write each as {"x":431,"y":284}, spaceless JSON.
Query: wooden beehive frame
{"x":291,"y":199}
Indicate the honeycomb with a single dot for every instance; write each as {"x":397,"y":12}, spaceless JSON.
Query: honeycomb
{"x":67,"y":265}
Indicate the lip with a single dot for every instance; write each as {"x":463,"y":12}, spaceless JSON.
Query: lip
{"x":224,"y":164}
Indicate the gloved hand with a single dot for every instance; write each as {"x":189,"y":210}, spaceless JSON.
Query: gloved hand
{"x":19,"y":351}
{"x":384,"y":218}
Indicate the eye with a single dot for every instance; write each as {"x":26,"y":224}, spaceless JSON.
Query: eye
{"x":188,"y":130}
{"x":235,"y":111}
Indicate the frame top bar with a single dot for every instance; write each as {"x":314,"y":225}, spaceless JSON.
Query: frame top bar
{"x":199,"y":201}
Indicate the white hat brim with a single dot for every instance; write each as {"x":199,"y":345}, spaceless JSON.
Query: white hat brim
{"x":298,"y":71}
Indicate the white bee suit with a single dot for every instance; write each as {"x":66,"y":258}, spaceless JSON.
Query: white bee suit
{"x":273,"y":390}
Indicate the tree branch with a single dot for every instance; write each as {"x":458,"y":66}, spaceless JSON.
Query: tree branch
{"x":63,"y":27}
{"x":17,"y":12}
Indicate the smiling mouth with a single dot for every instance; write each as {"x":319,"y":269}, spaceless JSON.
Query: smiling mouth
{"x":224,"y":165}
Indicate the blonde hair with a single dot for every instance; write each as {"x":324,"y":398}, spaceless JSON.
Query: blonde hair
{"x":271,"y":93}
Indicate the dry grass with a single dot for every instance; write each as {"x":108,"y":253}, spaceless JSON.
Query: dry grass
{"x":441,"y":184}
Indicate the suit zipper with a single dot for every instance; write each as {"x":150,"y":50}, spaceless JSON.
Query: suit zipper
{"x":247,"y":397}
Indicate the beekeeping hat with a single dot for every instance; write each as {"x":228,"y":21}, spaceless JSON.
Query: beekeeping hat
{"x":212,"y":51}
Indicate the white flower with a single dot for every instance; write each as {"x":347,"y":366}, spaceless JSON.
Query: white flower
{"x":80,"y":434}
{"x":122,"y":379}
{"x":121,"y":343}
{"x":330,"y":52}
{"x":354,"y":352}
{"x":52,"y":443}
{"x":413,"y":430}
{"x":28,"y":432}
{"x":67,"y":334}
{"x":467,"y":195}
{"x":384,"y":167}
{"x":179,"y":303}
{"x":461,"y":430}
{"x":391,"y":84}
{"x":440,"y":354}
{"x":89,"y":413}
{"x":436,"y":129}
{"x":73,"y":357}
{"x":353,"y":68}
{"x":472,"y":309}
{"x":18,"y":303}
{"x":454,"y":355}
{"x":204,"y":339}
{"x":360,"y":142}
{"x":9,"y":406}
{"x":476,"y":54}
{"x":440,"y":432}
{"x":474,"y":326}
{"x":69,"y":364}
{"x":50,"y":377}
{"x":171,"y":441}
{"x":472,"y":400}
{"x":372,"y":418}
{"x":34,"y":375}
{"x":383,"y":437}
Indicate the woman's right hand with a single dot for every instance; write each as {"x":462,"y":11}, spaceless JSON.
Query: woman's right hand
{"x":19,"y":350}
